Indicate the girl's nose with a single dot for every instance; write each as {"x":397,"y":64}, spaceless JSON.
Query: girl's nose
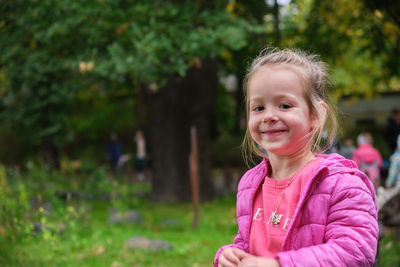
{"x":269,"y":116}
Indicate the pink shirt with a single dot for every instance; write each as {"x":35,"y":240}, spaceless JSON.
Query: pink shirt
{"x":265,"y":238}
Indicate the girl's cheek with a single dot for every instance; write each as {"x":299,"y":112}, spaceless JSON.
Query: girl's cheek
{"x":252,"y":124}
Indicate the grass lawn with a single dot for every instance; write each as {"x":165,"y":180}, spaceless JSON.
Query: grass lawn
{"x":78,"y":234}
{"x":389,"y":251}
{"x":89,"y":240}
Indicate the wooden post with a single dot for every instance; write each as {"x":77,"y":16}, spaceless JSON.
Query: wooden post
{"x":194,"y":174}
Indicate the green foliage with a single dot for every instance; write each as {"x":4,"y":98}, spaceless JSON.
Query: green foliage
{"x":53,"y":52}
{"x":360,"y":44}
{"x":51,"y":207}
{"x":38,"y":64}
{"x":168,"y":39}
{"x":70,"y":72}
{"x":97,"y":115}
{"x":14,"y":207}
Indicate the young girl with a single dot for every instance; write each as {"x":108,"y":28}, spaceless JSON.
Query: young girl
{"x":297,"y":208}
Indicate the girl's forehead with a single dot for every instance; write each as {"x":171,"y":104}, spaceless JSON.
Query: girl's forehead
{"x":282,"y":79}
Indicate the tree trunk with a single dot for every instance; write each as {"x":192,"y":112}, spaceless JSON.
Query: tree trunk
{"x":50,"y":153}
{"x":172,"y":110}
{"x":277,"y":23}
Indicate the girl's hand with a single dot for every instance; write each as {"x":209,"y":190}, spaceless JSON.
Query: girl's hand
{"x":254,"y":261}
{"x":230,"y":257}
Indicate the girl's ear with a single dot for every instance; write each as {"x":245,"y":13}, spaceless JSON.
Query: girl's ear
{"x":314,"y":121}
{"x":318,"y":115}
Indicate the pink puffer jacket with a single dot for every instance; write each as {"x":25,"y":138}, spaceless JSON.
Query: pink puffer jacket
{"x":335,"y":222}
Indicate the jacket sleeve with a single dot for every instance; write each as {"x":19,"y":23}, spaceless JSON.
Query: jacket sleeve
{"x":246,"y":189}
{"x":238,"y":242}
{"x":243,"y":220}
{"x":351,"y":232}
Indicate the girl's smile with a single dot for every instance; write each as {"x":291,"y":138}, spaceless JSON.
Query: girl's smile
{"x":272,"y":133}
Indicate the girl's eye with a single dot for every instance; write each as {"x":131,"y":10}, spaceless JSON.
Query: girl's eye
{"x":284,"y":106}
{"x":258,"y":108}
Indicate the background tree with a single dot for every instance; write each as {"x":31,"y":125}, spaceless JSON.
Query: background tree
{"x":39,"y":67}
{"x":359,"y":44}
{"x":145,"y":48}
{"x":72,"y":72}
{"x":392,"y":9}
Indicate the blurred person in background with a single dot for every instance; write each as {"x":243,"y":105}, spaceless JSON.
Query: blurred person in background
{"x":394,"y":169}
{"x":368,"y":159}
{"x":140,"y":155}
{"x":347,"y":149}
{"x":114,"y":152}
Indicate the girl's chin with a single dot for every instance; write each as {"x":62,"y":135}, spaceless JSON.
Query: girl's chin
{"x":282,"y":150}
{"x":288,"y":153}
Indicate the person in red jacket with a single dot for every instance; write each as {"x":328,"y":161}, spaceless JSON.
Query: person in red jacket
{"x":368,"y":159}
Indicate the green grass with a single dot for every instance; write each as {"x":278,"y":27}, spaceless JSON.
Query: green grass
{"x":90,"y":241}
{"x":389,"y":251}
{"x":76,"y":233}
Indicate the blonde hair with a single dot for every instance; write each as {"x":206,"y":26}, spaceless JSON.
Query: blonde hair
{"x":316,"y":84}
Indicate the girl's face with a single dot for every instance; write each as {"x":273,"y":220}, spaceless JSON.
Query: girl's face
{"x":280,"y":119}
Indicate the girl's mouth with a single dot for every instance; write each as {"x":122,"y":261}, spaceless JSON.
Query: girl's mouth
{"x":273,"y":131}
